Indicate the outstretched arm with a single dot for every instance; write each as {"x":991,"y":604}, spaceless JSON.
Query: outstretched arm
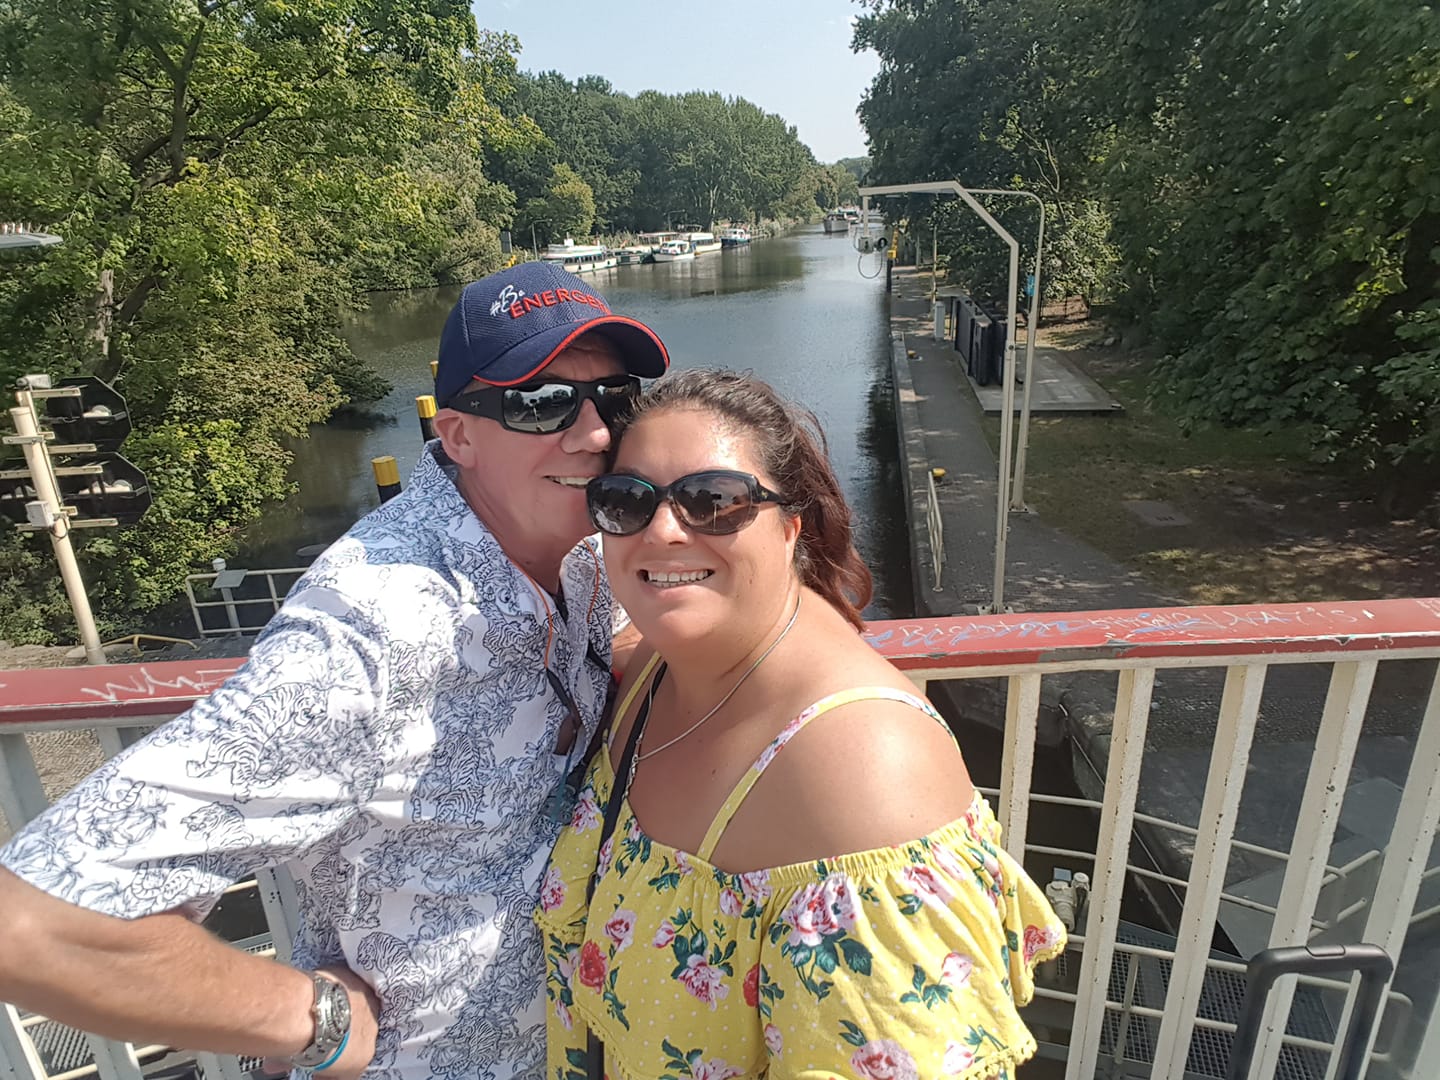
{"x":161,"y":979}
{"x":98,"y":896}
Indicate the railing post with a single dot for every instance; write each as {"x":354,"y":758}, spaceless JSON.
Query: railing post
{"x":22,"y":796}
{"x":1022,"y":712}
{"x":1112,"y":855}
{"x":18,"y":1058}
{"x":114,"y":1060}
{"x":1335,"y":743}
{"x":1416,"y":820}
{"x":1239,"y":708}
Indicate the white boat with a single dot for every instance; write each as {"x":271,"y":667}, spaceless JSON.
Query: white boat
{"x":581,"y":258}
{"x":700,"y":241}
{"x":836,"y":221}
{"x":649,"y":243}
{"x":674,"y":251}
{"x":734,"y":236}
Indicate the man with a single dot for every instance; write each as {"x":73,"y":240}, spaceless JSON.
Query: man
{"x":400,"y":740}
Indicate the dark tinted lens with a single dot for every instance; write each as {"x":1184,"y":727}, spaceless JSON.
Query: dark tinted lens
{"x":540,"y":409}
{"x":612,"y":402}
{"x":619,"y":505}
{"x":715,"y":503}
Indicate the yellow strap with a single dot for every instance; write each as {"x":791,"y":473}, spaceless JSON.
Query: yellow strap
{"x":824,"y":705}
{"x":630,"y":696}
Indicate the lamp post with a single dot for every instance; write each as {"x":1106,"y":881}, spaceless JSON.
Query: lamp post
{"x":1007,"y":414}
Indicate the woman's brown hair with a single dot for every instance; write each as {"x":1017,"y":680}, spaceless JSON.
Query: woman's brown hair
{"x":792,"y":451}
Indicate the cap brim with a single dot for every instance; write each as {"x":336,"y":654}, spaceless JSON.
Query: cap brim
{"x":642,"y":352}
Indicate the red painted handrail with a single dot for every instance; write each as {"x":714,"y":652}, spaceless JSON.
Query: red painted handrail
{"x":166,"y":689}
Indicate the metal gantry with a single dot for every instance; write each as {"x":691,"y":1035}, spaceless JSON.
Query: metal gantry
{"x":1008,"y":496}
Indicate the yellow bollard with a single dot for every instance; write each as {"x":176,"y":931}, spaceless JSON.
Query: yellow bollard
{"x":425,"y":409}
{"x":387,"y":477}
{"x":434,"y":369}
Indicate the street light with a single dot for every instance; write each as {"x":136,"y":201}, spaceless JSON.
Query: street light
{"x":1007,"y":414}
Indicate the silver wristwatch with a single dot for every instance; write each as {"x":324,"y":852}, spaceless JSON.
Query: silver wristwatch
{"x":332,"y":1022}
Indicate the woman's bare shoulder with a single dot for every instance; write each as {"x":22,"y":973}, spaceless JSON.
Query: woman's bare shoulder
{"x":869,"y":773}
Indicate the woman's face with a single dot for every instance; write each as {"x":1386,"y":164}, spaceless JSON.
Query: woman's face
{"x":681,"y":585}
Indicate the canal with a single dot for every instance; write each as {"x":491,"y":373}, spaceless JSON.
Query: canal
{"x":794,"y":309}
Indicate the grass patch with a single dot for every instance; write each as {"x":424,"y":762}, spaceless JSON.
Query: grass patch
{"x":1267,"y":524}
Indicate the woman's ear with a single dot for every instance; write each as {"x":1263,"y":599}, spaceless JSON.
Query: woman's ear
{"x":793,"y":523}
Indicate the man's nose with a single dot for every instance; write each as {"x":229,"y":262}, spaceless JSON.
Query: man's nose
{"x":588,"y":434}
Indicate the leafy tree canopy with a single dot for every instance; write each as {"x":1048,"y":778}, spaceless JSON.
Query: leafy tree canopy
{"x":1253,"y":183}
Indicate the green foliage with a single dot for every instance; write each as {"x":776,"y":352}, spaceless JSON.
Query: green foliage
{"x":566,"y":211}
{"x":227,"y":177}
{"x":653,"y":160}
{"x":1294,"y":149}
{"x":995,"y":94}
{"x":1255,"y":184}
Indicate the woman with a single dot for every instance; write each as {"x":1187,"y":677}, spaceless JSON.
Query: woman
{"x":840,"y":908}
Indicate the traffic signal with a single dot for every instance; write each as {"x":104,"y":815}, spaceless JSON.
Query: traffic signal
{"x":97,"y":416}
{"x":104,"y":487}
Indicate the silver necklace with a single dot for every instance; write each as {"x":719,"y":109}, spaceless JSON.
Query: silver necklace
{"x":639,"y":757}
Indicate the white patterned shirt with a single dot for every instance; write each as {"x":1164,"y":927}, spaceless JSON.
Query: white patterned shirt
{"x":389,"y":741}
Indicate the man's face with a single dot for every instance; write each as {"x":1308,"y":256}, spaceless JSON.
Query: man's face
{"x":530,"y":489}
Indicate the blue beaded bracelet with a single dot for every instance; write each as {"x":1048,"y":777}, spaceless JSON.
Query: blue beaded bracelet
{"x":335,"y":1056}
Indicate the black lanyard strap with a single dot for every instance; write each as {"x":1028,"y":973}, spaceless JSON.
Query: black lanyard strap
{"x":594,"y":1048}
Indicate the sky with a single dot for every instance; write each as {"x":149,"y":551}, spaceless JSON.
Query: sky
{"x":790,"y":57}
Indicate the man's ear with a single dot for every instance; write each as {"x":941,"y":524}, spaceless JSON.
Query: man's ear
{"x":453,"y":432}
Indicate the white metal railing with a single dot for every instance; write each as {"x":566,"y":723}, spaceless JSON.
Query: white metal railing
{"x":225,"y":583}
{"x":1315,"y":896}
{"x":935,"y":522}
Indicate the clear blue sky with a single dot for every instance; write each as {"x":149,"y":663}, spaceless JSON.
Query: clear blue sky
{"x":790,"y":57}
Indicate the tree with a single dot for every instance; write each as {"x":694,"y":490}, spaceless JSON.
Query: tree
{"x":227,"y":174}
{"x":995,"y":94}
{"x":1284,"y":147}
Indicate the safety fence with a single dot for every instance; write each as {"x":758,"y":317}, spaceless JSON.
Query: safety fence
{"x":1142,"y":989}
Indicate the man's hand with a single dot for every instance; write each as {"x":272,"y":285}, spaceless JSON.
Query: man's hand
{"x":364,"y":1029}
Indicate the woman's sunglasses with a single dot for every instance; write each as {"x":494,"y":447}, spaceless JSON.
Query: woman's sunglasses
{"x":716,"y":502}
{"x":549,"y":405}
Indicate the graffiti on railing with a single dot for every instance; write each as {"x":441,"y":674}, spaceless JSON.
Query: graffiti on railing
{"x":1119,"y":628}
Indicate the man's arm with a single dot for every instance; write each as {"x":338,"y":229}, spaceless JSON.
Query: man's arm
{"x":98,"y":892}
{"x":161,"y":979}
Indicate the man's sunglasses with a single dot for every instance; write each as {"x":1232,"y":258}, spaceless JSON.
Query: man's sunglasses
{"x":549,"y":405}
{"x":715,"y":502}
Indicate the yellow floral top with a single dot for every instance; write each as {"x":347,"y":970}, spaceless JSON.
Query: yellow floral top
{"x":891,"y":964}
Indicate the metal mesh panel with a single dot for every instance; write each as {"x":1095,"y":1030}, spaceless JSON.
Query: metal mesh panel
{"x":1222,"y":998}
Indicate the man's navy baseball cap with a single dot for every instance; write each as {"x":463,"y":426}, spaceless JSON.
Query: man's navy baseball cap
{"x":506,"y":327}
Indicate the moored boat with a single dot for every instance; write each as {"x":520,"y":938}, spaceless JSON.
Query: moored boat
{"x":581,"y":258}
{"x":735,"y":236}
{"x":633,"y":254}
{"x":701,"y":241}
{"x":674,"y":251}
